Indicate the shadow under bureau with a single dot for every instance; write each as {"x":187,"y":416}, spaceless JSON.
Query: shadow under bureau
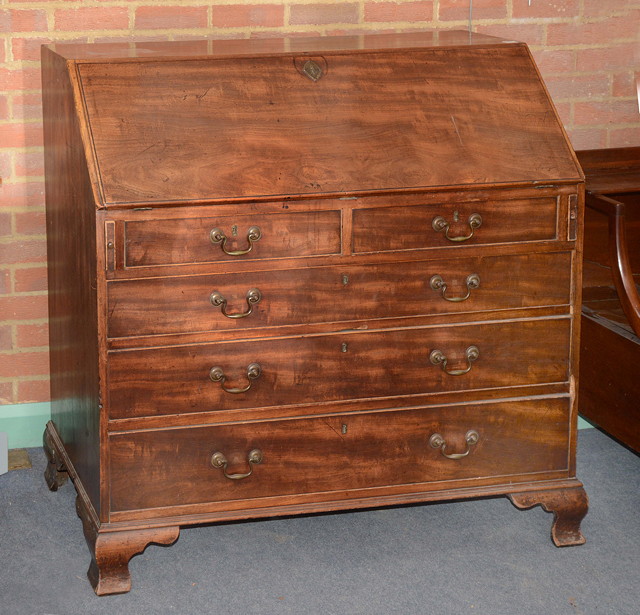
{"x":291,"y":276}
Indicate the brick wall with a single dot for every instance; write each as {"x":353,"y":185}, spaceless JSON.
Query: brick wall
{"x":586,"y":50}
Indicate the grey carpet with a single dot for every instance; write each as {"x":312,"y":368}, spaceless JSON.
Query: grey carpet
{"x":480,"y":557}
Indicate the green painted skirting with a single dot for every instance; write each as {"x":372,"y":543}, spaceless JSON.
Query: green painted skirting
{"x":24,"y":423}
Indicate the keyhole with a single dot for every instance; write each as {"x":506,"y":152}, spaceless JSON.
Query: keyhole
{"x":344,"y":347}
{"x":345,"y":279}
{"x":456,"y":216}
{"x":234,"y":230}
{"x":344,"y":428}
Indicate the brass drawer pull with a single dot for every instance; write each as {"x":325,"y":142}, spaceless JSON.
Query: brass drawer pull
{"x":218,"y":236}
{"x":217,"y":375}
{"x":439,"y":224}
{"x":437,"y":357}
{"x":437,"y":441}
{"x":218,"y":460}
{"x":218,"y":300}
{"x":438,"y":284}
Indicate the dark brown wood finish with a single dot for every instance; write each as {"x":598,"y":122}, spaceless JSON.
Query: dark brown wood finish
{"x":610,"y":352}
{"x":167,"y":305}
{"x":347,"y":365}
{"x":72,"y":277}
{"x":312,"y":137}
{"x":412,"y":228}
{"x":334,"y":200}
{"x":339,"y":452}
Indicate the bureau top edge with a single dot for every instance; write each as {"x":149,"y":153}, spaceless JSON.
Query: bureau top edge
{"x":140,"y":51}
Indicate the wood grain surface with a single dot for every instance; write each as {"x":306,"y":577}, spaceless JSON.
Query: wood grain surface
{"x":434,"y":117}
{"x":165,"y":468}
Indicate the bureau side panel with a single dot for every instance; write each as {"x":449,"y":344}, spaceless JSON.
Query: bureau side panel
{"x":71,"y":249}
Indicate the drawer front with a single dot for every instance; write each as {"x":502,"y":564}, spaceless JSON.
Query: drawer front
{"x":207,"y":240}
{"x":435,"y":226}
{"x":333,"y":453}
{"x":342,"y":366}
{"x":328,"y":294}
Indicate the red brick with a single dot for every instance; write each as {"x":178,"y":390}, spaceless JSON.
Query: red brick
{"x":18,"y":364}
{"x":23,"y":20}
{"x":27,"y":48}
{"x":237,"y":15}
{"x":170,"y":17}
{"x":3,"y":51}
{"x":30,"y":391}
{"x":624,"y":137}
{"x":27,"y":107}
{"x":394,"y":11}
{"x":30,"y":279}
{"x":6,"y":393}
{"x":22,"y":194}
{"x":530,"y":33}
{"x":564,"y":111}
{"x":5,"y":281}
{"x":545,"y":8}
{"x":6,"y":338}
{"x":278,"y":34}
{"x":588,"y":138}
{"x":619,"y":56}
{"x":30,"y":223}
{"x":23,"y":251}
{"x":604,"y":8}
{"x":551,"y":61}
{"x":5,"y":225}
{"x":21,"y":79}
{"x":583,"y":86}
{"x":4,"y":108}
{"x":32,"y":335}
{"x":615,"y":111}
{"x":20,"y":135}
{"x":92,"y":18}
{"x":458,"y":10}
{"x":320,"y":14}
{"x":28,"y":307}
{"x":625,"y":83}
{"x":591,"y":33}
{"x":29,"y":164}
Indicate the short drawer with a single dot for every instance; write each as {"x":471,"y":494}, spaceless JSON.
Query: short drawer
{"x":229,"y":238}
{"x":454,"y":224}
{"x":202,"y":303}
{"x":335,"y":453}
{"x":347,"y":365}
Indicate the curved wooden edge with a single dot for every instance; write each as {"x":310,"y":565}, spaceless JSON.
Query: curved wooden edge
{"x":55,"y":473}
{"x":619,"y":255}
{"x":569,"y":506}
{"x":621,"y":269}
{"x":111,"y":551}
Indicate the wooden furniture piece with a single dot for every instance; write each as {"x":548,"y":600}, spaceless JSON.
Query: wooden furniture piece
{"x":610,"y":348}
{"x":290,"y":276}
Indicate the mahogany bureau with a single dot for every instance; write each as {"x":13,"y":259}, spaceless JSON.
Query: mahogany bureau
{"x":301,"y":275}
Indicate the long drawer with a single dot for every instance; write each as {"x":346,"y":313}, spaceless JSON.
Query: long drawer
{"x":332,"y":453}
{"x":342,"y":366}
{"x":333,"y":294}
{"x":245,"y":237}
{"x":454,"y":224}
